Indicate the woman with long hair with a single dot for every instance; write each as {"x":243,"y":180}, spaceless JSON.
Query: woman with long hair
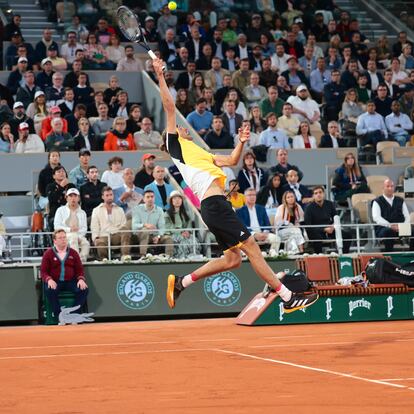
{"x":349,"y":179}
{"x":278,"y":31}
{"x":177,"y":223}
{"x":134,"y":119}
{"x":250,"y":176}
{"x":96,"y":53}
{"x":37,"y":111}
{"x":351,"y":108}
{"x":182,"y":102}
{"x":208,"y":95}
{"x":119,"y":139}
{"x":288,"y":217}
{"x":6,"y":138}
{"x":304,"y":139}
{"x":270,"y":195}
{"x":196,"y":90}
{"x":267,"y":44}
{"x":115,"y":50}
{"x":257,"y":123}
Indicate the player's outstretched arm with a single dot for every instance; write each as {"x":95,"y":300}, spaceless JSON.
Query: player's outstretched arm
{"x":234,"y":157}
{"x":166,"y":98}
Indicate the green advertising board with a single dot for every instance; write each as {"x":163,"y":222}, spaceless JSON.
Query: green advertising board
{"x":343,"y":309}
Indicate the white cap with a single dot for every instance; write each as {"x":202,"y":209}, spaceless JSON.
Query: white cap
{"x":46,"y":60}
{"x":73,"y":191}
{"x":22,"y":59}
{"x":301,"y":87}
{"x":18,"y":104}
{"x":38,"y":93}
{"x":23,"y":125}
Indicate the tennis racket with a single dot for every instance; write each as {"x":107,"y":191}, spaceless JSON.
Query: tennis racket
{"x":131,"y":29}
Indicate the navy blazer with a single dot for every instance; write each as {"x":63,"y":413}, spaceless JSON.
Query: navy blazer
{"x":262,"y":217}
{"x":326,"y":142}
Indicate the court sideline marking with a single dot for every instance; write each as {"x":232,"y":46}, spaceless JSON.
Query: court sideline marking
{"x":309,"y":368}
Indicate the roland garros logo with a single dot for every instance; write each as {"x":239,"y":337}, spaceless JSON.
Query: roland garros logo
{"x":135,"y":290}
{"x":223,"y":289}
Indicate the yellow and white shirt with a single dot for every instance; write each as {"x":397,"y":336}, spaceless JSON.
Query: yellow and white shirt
{"x":195,"y":164}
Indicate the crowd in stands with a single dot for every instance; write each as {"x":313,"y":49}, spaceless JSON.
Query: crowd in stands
{"x":295,"y":78}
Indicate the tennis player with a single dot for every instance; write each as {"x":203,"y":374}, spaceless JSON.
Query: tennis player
{"x":202,"y":172}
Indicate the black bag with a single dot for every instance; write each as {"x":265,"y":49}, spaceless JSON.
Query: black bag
{"x":380,"y":270}
{"x":260,"y":152}
{"x":296,"y":281}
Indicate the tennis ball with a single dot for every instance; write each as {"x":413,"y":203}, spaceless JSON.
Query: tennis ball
{"x":172,"y":5}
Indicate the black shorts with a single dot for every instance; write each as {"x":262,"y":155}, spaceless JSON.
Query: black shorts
{"x":223,"y":222}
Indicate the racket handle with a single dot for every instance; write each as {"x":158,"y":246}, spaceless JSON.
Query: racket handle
{"x":154,"y":56}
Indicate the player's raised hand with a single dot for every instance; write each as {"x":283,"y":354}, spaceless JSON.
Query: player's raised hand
{"x":244,"y":134}
{"x":158,"y":64}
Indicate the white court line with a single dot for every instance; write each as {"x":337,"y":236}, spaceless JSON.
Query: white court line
{"x":309,"y":368}
{"x":92,"y":354}
{"x":338,"y":334}
{"x":396,"y":379}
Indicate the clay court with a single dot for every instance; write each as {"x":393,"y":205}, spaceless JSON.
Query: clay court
{"x":210,"y":365}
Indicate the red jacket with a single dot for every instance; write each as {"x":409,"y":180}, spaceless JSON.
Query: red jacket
{"x":114,"y":143}
{"x":50,"y":267}
{"x":47,"y":127}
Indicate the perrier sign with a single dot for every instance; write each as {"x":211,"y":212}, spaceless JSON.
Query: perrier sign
{"x":343,"y":309}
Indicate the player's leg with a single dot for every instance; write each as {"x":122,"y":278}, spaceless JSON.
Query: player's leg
{"x":230,"y":260}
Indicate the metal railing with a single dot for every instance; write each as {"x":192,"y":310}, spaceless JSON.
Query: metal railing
{"x":28,"y":246}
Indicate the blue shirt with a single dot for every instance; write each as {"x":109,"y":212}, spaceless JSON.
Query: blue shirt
{"x":274,"y":139}
{"x":369,"y":123}
{"x":200,"y":121}
{"x":318,"y":80}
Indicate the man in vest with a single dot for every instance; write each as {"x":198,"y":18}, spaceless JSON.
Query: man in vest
{"x":388,"y":211}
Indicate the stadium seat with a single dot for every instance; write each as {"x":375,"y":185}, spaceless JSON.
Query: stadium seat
{"x":99,"y":86}
{"x":359,"y":204}
{"x":318,"y":269}
{"x":375,"y":183}
{"x":385,"y":152}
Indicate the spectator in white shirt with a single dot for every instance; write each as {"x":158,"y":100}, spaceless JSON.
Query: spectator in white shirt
{"x":273,"y":137}
{"x":280,"y":58}
{"x":114,"y":176}
{"x":129,"y":63}
{"x":398,"y":124}
{"x":303,"y":139}
{"x":28,"y":143}
{"x":399,"y":77}
{"x":68,"y":49}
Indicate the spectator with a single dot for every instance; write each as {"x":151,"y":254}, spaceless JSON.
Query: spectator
{"x":306,"y":109}
{"x":364,"y":94}
{"x":333,"y":138}
{"x":268,"y":75}
{"x":58,"y":138}
{"x":382,"y":101}
{"x":28,"y":143}
{"x":393,"y":90}
{"x":210,"y":102}
{"x":280,"y":59}
{"x":77,"y":27}
{"x":91,"y":191}
{"x":168,"y":47}
{"x":148,"y":223}
{"x":147,"y":137}
{"x":231,"y":120}
{"x":388,"y":211}
{"x":349,"y":75}
{"x":37,"y":111}
{"x":134,"y":120}
{"x":398,"y":45}
{"x":267,"y":46}
{"x":26,"y":92}
{"x":399,"y":125}
{"x":72,"y":219}
{"x":319,"y":29}
{"x":20,"y":116}
{"x":255,"y":60}
{"x":115,"y":51}
{"x":283,"y":167}
{"x":144,"y":176}
{"x":288,"y":217}
{"x":254,"y":92}
{"x":121,"y":107}
{"x":61,"y":270}
{"x":110,"y":93}
{"x":371,"y":126}
{"x":399,"y":77}
{"x":166,"y":22}
{"x":321,"y":213}
{"x":257,"y":123}
{"x":254,"y":217}
{"x":292,"y":46}
{"x":96,"y":54}
{"x":119,"y":139}
{"x":409,"y":170}
{"x":407,"y":99}
{"x":92,"y":108}
{"x":236,"y":198}
{"x":200,"y":119}
{"x":15,"y":77}
{"x":348,"y":180}
{"x":104,"y":31}
{"x":83,"y":93}
{"x":71,"y":78}
{"x":183,"y":103}
{"x":160,"y":188}
{"x":254,"y":138}
{"x":273,"y":137}
{"x":181,"y":61}
{"x":103,"y":229}
{"x":68,"y":49}
{"x":334,"y":94}
{"x":333,"y":60}
{"x":272,"y":104}
{"x":73,"y":118}
{"x":359,"y":50}
{"x":56,"y":191}
{"x":114,"y":176}
{"x":129,"y":63}
{"x":374,"y":77}
{"x":241,"y":77}
{"x":303,"y":139}
{"x":221,"y":93}
{"x":307,"y":63}
{"x":220,"y":47}
{"x":232,"y":95}
{"x":128,"y":195}
{"x":214,"y":77}
{"x":251,"y":176}
{"x":54,"y":94}
{"x":270,"y":195}
{"x":218,"y":137}
{"x":230,"y":62}
{"x":14,"y":26}
{"x":242,"y":49}
{"x":186,"y":80}
{"x":79,"y":176}
{"x":288,"y":123}
{"x":46,"y":176}
{"x":151,"y":33}
{"x":102,"y":124}
{"x":58,"y":63}
{"x":351,"y":109}
{"x":406,"y":58}
{"x":177,"y":223}
{"x":195,"y":44}
{"x":6,"y":138}
{"x":284,"y":88}
{"x":319,"y":78}
{"x":302,"y":193}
